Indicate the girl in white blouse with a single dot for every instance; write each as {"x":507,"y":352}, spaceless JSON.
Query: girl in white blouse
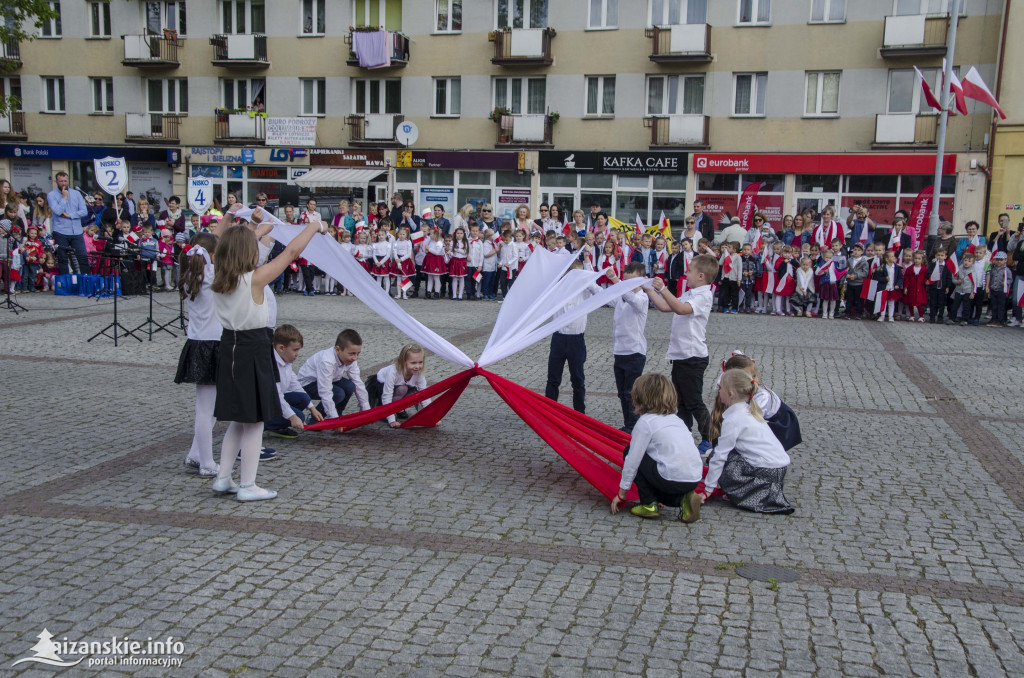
{"x":396,"y":381}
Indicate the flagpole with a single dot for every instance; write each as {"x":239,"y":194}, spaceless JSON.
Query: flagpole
{"x":945,"y":97}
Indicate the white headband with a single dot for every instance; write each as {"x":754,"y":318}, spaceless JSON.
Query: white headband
{"x":199,"y":249}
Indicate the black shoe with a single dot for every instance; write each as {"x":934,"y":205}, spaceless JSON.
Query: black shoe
{"x":402,"y":416}
{"x":286,"y":432}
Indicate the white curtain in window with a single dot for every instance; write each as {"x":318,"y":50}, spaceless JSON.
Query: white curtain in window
{"x":592,"y":92}
{"x":693,"y":95}
{"x":608,"y":96}
{"x":830,"y":93}
{"x":743,"y":94}
{"x":656,"y":96}
{"x":762,"y":82}
{"x":696,"y":11}
{"x":535,"y":102}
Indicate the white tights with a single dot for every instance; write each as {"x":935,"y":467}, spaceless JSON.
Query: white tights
{"x":778,"y":304}
{"x":829,"y":308}
{"x":329,"y":283}
{"x":202,"y":436}
{"x":384,"y":281}
{"x":458,"y":285}
{"x":890,"y":308}
{"x":434,"y":282}
{"x":248,"y":439}
{"x":764,"y":301}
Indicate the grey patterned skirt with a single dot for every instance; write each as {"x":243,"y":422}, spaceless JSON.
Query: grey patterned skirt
{"x":752,"y":488}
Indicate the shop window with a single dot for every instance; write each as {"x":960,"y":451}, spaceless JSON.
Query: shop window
{"x":628,"y":205}
{"x":102,"y":95}
{"x":51,"y":28}
{"x":674,"y":207}
{"x":749,"y":94}
{"x":511,"y":179}
{"x":604,"y":201}
{"x":448,"y":97}
{"x":675,"y":94}
{"x":474,"y":197}
{"x":522,"y":14}
{"x":828,"y":11}
{"x":596,"y":181}
{"x":377,"y":96}
{"x":773,"y":183}
{"x":313,"y":17}
{"x":600,"y":95}
{"x":822,"y":94}
{"x":817,"y":183}
{"x":475,"y":178}
{"x":718,"y":182}
{"x":437,"y":177}
{"x":915,"y":183}
{"x":603,"y":14}
{"x":510,"y":93}
{"x":669,"y":182}
{"x":559,"y":180}
{"x":449,"y":16}
{"x":871,"y":183}
{"x":677,"y":12}
{"x":99,"y":19}
{"x":754,"y":12}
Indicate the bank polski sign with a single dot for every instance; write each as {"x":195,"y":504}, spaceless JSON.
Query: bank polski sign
{"x":111,"y":174}
{"x":199,"y":194}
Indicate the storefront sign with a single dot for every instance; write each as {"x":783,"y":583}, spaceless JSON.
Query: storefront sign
{"x":344,"y":157}
{"x":291,"y":132}
{"x":296,"y":172}
{"x":817,"y":163}
{"x":430,"y":196}
{"x":81,"y":152}
{"x":508,"y":200}
{"x":613,"y":162}
{"x":483,"y":160}
{"x":153,"y":180}
{"x":31,"y":176}
{"x":269,"y":173}
{"x":215,"y":154}
{"x":881,"y":208}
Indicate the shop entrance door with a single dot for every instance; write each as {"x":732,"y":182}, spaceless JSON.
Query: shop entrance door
{"x":816,"y":201}
{"x":566,"y":200}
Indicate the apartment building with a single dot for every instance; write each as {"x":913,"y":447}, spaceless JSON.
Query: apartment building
{"x":639,"y":106}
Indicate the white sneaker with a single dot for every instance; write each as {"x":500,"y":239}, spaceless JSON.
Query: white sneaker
{"x":1014,"y":323}
{"x":881,"y":318}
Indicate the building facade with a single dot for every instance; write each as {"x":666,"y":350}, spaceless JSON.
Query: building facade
{"x":637,"y":105}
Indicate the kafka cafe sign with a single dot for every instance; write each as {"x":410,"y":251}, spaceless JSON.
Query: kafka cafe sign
{"x":613,"y":162}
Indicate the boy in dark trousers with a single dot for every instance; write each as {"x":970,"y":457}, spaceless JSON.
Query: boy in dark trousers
{"x":629,"y":345}
{"x":939,"y":284}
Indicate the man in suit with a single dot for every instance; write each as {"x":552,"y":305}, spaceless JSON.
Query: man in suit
{"x":705,"y":224}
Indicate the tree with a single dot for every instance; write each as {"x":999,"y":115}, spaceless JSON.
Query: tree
{"x":45,"y":648}
{"x":16,"y":16}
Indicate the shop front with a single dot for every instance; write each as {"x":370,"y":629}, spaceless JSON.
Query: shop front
{"x":623,"y":183}
{"x":245,"y":171}
{"x":456,"y":178}
{"x":789,"y":183}
{"x":345,"y":174}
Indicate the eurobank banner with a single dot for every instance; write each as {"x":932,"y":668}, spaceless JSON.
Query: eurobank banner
{"x":880,"y":182}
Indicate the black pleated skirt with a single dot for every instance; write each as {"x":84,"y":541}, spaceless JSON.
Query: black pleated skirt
{"x":246,"y":377}
{"x":197,"y":363}
{"x":753,"y":488}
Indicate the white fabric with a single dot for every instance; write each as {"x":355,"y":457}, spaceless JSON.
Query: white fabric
{"x":753,"y":440}
{"x":202,"y":321}
{"x":395,"y":384}
{"x":286,"y":383}
{"x":237,"y":310}
{"x":668,"y":442}
{"x":628,"y":323}
{"x":686,"y":339}
{"x":338,"y":177}
{"x":324,"y":368}
{"x":579,"y":325}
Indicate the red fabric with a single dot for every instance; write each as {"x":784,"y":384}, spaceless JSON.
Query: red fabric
{"x":433,"y":413}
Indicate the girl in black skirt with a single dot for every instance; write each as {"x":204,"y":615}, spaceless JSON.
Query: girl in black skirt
{"x":246,"y":370}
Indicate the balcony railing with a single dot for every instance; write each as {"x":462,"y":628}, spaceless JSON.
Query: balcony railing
{"x":240,"y":128}
{"x":150,"y":51}
{"x":687,"y":42}
{"x":12,"y":125}
{"x":373,"y":129}
{"x":525,"y":130}
{"x":240,"y":50}
{"x":905,"y":129}
{"x":10,"y":54}
{"x":154,"y":127}
{"x":914,"y":35}
{"x":523,"y":47}
{"x":398,"y":56}
{"x":679,"y":130}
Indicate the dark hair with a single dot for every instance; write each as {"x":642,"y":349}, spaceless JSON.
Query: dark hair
{"x":1001,"y":214}
{"x":348,"y":338}
{"x":635,"y":267}
{"x":193,"y":268}
{"x":439,"y":205}
{"x":286,"y":334}
{"x":976,"y":225}
{"x":61,"y":173}
{"x":174,"y":198}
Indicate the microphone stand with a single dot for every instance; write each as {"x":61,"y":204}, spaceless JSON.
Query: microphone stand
{"x":153,"y":326}
{"x":9,"y":303}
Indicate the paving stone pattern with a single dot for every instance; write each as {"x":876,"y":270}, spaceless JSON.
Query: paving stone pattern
{"x":474,"y":549}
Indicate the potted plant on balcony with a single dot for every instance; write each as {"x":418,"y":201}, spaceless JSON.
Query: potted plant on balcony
{"x":499,"y":112}
{"x":170,"y":34}
{"x":554,"y":116}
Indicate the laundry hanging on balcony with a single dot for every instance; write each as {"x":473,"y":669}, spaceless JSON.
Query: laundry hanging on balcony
{"x":372,"y":48}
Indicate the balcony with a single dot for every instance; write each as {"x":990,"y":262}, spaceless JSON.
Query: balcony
{"x":156,"y":128}
{"x":914,"y":35}
{"x":905,"y":129}
{"x":682,"y":43}
{"x":523,"y":47}
{"x":240,"y":128}
{"x":397,"y":56}
{"x":374,"y":129}
{"x":150,"y":51}
{"x":690,"y":131}
{"x":12,"y":125}
{"x":242,"y":50}
{"x":10,"y":55}
{"x":525,"y":130}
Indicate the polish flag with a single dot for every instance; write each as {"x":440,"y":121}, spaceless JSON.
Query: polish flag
{"x":953,"y":265}
{"x":640,"y":227}
{"x":975,"y":88}
{"x":682,"y":284}
{"x":727,"y":263}
{"x":975,"y":241}
{"x":957,"y":89}
{"x":928,"y":96}
{"x":974,"y":285}
{"x":132,"y":237}
{"x":1019,"y":293}
{"x":416,"y":237}
{"x":477,"y":275}
{"x":405,"y":284}
{"x":827,"y":270}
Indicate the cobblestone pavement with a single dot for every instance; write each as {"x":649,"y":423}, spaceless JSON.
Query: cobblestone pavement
{"x":473,"y":548}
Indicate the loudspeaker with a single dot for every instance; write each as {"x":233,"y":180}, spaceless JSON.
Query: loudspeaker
{"x":289,"y":195}
{"x":133,"y":283}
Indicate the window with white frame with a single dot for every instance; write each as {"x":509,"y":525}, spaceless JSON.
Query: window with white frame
{"x":53,"y":94}
{"x":522,"y":14}
{"x":243,"y":16}
{"x":10,"y":89}
{"x":678,"y":12}
{"x":314,"y":94}
{"x":448,"y":97}
{"x":102,"y":95}
{"x":243,"y":93}
{"x":167,"y":95}
{"x":521,"y":95}
{"x":314,"y":15}
{"x":749,"y":93}
{"x":822,"y":96}
{"x":449,"y":16}
{"x":675,"y":95}
{"x":828,"y":11}
{"x":905,"y":93}
{"x":603,"y":14}
{"x":377,"y":96}
{"x":169,"y":15}
{"x":52,"y":28}
{"x":600,"y":95}
{"x":912,"y":7}
{"x":755,"y":11}
{"x":99,"y":19}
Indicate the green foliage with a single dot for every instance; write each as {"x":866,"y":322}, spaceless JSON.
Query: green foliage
{"x":23,"y":18}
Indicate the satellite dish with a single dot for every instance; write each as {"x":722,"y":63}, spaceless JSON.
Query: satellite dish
{"x":407,"y":133}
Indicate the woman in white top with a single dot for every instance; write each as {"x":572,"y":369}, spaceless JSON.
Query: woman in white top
{"x":398,"y":380}
{"x":662,"y":459}
{"x":246,"y":371}
{"x":748,"y":462}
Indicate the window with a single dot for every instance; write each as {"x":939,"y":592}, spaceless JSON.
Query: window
{"x":53,"y":94}
{"x":314,"y":92}
{"x":169,"y":15}
{"x":822,"y":98}
{"x":675,"y":94}
{"x":313,"y":17}
{"x":603,"y":14}
{"x":511,"y":92}
{"x":933,"y":7}
{"x":169,"y":95}
{"x":99,"y":19}
{"x":102,"y":95}
{"x":601,"y":95}
{"x":448,"y":97}
{"x":522,"y":14}
{"x":243,"y":16}
{"x":824,"y":11}
{"x":905,"y":95}
{"x":449,"y":16}
{"x":755,"y":11}
{"x":11,"y":89}
{"x":677,"y":12}
{"x":377,"y":96}
{"x":52,"y":28}
{"x":239,"y":93}
{"x":749,"y":93}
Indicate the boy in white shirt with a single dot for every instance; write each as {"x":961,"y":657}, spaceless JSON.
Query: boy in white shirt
{"x":488,"y":286}
{"x":332,"y":375}
{"x":629,"y":345}
{"x":287,"y":344}
{"x":687,"y":348}
{"x":474,"y":260}
{"x":568,"y":345}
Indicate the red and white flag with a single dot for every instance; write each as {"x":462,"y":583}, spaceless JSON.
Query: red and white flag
{"x":747,"y":206}
{"x":953,"y":265}
{"x":974,"y":285}
{"x":928,"y":96}
{"x":640,"y":227}
{"x":132,"y":237}
{"x":957,"y":89}
{"x":1019,"y":293}
{"x":416,"y":237}
{"x":405,"y":284}
{"x":829,"y":231}
{"x":894,"y":240}
{"x":975,"y":241}
{"x":727,"y":263}
{"x":975,"y":88}
{"x":827,"y":270}
{"x":476,"y":275}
